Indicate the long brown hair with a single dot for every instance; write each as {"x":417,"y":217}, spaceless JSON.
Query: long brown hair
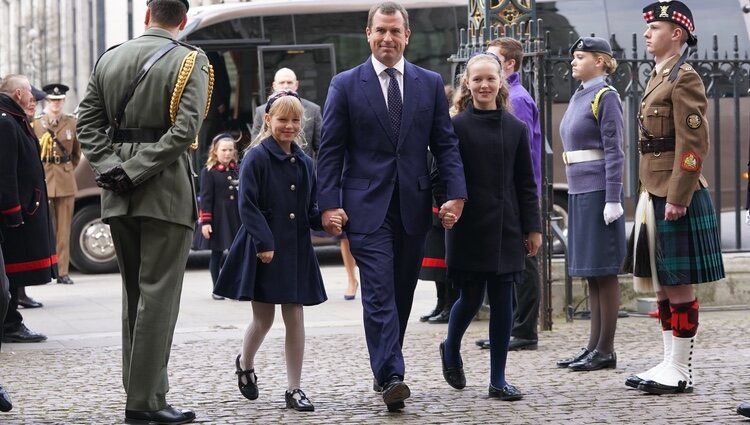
{"x":462,"y":96}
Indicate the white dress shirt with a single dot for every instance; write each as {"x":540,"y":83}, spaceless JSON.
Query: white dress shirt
{"x":385,"y":79}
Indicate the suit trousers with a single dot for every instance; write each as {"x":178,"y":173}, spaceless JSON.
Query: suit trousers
{"x":526,"y":302}
{"x":152,"y":255}
{"x":389,"y":261}
{"x":4,"y":294}
{"x":61,"y":210}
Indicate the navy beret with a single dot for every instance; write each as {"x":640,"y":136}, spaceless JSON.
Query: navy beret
{"x":38,"y":94}
{"x":185,"y":2}
{"x":675,"y":12}
{"x":591,"y":44}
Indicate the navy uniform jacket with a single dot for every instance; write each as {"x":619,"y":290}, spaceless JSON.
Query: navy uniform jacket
{"x":277,"y":210}
{"x":26,"y":231}
{"x":218,"y":207}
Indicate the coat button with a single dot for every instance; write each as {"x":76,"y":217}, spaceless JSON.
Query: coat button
{"x":291,"y":216}
{"x":36,"y":204}
{"x":292,"y":188}
{"x":293,"y":160}
{"x":229,"y":177}
{"x":656,"y":112}
{"x":231,"y":197}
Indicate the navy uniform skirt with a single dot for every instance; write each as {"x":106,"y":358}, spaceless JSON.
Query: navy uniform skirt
{"x":688,"y":250}
{"x":594,"y":248}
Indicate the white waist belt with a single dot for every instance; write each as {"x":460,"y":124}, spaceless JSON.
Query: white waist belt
{"x":573,"y":157}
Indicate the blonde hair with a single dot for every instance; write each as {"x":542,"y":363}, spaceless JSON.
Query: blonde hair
{"x":282,"y":105}
{"x":610,"y":63}
{"x":462,"y":96}
{"x":213,"y":158}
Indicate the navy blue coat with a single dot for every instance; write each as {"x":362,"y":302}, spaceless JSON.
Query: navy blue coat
{"x":277,"y":211}
{"x":218,"y":207}
{"x":26,"y":234}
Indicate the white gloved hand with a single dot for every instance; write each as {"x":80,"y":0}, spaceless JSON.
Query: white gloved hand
{"x":612,"y":211}
{"x":747,"y":217}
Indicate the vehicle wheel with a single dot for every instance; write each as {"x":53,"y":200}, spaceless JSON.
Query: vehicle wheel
{"x":91,"y":246}
{"x":560,"y":209}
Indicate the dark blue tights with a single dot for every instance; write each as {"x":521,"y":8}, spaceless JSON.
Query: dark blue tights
{"x":500,"y":295}
{"x":214,"y":264}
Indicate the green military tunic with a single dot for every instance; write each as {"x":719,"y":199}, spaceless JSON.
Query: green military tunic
{"x":151,"y":224}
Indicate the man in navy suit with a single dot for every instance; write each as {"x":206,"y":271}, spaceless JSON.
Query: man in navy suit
{"x":378,"y":122}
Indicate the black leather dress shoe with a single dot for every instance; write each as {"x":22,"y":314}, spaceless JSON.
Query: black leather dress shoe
{"x":744,"y":409}
{"x":454,"y":376}
{"x":65,"y":280}
{"x":442,"y":317}
{"x":595,"y":360}
{"x":5,"y":403}
{"x":506,"y":393}
{"x":567,"y":361}
{"x":29,"y":302}
{"x":395,"y":391}
{"x":298,"y":401}
{"x":433,"y":313}
{"x":517,"y":344}
{"x":217,"y":297}
{"x":633,"y":381}
{"x":249,"y":388}
{"x":483,"y":343}
{"x":23,"y":334}
{"x":168,"y":416}
{"x":376,"y":387}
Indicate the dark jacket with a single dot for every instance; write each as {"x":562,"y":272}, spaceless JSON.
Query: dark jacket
{"x":277,"y":210}
{"x":26,"y":231}
{"x":218,"y":207}
{"x":503,"y":206}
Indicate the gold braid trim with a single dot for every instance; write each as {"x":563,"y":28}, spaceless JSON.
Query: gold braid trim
{"x":48,"y":147}
{"x":179,"y":87}
{"x":210,"y":87}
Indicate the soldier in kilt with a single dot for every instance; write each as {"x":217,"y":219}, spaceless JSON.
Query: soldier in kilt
{"x":673,"y":145}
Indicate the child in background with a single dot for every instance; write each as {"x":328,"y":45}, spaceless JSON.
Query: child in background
{"x":272,"y":259}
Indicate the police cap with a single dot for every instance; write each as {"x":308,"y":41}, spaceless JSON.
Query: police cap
{"x":55,"y":91}
{"x":675,"y":12}
{"x":591,"y":44}
{"x":185,"y":2}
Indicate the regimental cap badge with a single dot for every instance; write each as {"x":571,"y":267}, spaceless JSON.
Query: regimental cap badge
{"x":690,"y":161}
{"x":664,"y":11}
{"x":694,"y":121}
{"x":675,"y":12}
{"x":55,"y":91}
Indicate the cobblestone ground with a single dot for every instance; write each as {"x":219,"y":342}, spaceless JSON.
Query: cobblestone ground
{"x":82,"y":385}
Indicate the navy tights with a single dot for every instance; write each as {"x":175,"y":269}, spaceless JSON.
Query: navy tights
{"x":214,"y":264}
{"x":500,"y":295}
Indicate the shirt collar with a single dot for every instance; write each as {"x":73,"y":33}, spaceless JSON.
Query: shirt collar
{"x":594,"y":81}
{"x":660,"y":66}
{"x":380,"y":67}
{"x":514,"y":79}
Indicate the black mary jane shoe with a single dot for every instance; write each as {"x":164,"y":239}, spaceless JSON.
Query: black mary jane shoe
{"x":595,"y":361}
{"x":454,"y":376}
{"x":299,"y":403}
{"x":5,"y":403}
{"x":506,"y":393}
{"x":167,"y":415}
{"x":744,"y":409}
{"x":249,"y":389}
{"x":567,"y":361}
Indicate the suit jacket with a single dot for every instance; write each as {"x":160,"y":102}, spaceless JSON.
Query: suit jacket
{"x":311,"y":126}
{"x":160,"y":169}
{"x":61,"y":179}
{"x":675,"y":110}
{"x":361,"y":162}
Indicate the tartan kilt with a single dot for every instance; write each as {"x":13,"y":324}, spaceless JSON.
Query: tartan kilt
{"x":688,"y":250}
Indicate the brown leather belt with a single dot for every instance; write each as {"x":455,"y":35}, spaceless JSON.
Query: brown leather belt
{"x":656,"y":145}
{"x":57,"y":159}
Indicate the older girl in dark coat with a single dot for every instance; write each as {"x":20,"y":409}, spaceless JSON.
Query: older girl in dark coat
{"x":500,"y":224}
{"x":271,"y":260}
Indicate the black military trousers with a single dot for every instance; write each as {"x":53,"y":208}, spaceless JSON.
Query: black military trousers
{"x":526,"y":302}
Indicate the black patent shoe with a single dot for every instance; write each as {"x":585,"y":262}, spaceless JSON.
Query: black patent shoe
{"x":442,"y":317}
{"x":395,"y":391}
{"x":517,"y":344}
{"x":506,"y":393}
{"x":298,"y":401}
{"x":567,"y":361}
{"x":29,"y":302}
{"x":633,"y":381}
{"x":217,"y":297}
{"x":454,"y":376}
{"x":5,"y":403}
{"x":595,"y":360}
{"x":433,"y":313}
{"x":23,"y":334}
{"x":167,"y":415}
{"x":744,"y":409}
{"x":65,"y":280}
{"x":249,"y":389}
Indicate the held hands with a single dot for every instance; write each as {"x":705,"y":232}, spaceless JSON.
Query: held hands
{"x":334,"y":219}
{"x":206,"y":229}
{"x":265,"y":256}
{"x":612,"y":211}
{"x":533,"y":243}
{"x":450,"y":213}
{"x":115,"y":180}
{"x":674,"y":212}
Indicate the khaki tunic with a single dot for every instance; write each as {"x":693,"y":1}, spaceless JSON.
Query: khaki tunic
{"x":676,"y":110}
{"x":61,"y":179}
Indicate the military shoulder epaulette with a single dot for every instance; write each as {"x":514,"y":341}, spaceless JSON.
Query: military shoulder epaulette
{"x":687,"y":67}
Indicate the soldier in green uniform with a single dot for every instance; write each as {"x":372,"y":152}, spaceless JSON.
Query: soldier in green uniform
{"x":143,"y":107}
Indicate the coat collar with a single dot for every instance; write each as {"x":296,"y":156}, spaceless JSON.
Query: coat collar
{"x":273,"y":148}
{"x":8,"y":105}
{"x":495,"y":115}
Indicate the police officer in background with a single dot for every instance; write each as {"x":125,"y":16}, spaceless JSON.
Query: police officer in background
{"x":61,"y":153}
{"x":136,"y":133}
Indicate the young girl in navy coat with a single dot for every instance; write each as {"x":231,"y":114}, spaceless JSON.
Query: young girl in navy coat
{"x":219,"y":217}
{"x":500,"y":224}
{"x":271,"y":260}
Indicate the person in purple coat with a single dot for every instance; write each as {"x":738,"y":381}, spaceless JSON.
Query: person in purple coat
{"x":591,"y":132}
{"x":271,"y":260}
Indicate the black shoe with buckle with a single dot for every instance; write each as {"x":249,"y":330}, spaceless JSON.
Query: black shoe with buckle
{"x":5,"y":403}
{"x":395,"y":391}
{"x":23,"y":334}
{"x":167,"y":415}
{"x":65,"y":280}
{"x":564,"y":363}
{"x":249,"y":389}
{"x":506,"y":393}
{"x":454,"y":376}
{"x":29,"y":302}
{"x":297,"y":400}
